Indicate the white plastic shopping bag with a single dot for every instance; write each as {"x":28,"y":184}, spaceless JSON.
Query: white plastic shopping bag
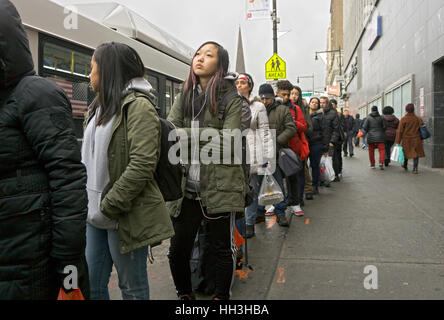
{"x":270,"y":192}
{"x":395,"y":154}
{"x":327,"y":172}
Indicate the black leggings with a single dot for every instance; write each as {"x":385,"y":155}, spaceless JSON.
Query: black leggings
{"x":221,"y":237}
{"x":415,"y":163}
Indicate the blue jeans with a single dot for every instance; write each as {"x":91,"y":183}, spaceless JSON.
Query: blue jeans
{"x":364,"y":140}
{"x":316,"y":153}
{"x":102,"y":251}
{"x":348,"y":144}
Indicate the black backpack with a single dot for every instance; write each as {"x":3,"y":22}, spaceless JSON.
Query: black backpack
{"x":168,"y":176}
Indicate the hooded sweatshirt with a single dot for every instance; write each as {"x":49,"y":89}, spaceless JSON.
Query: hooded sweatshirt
{"x":95,"y":157}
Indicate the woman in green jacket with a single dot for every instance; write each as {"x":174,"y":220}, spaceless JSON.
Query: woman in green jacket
{"x":121,"y":148}
{"x":214,"y":192}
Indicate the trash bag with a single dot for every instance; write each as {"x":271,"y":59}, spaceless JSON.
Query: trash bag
{"x":270,"y":192}
{"x":327,"y":171}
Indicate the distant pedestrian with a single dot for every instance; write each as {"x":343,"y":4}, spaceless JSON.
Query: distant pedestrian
{"x":121,"y":149}
{"x":375,"y":127}
{"x":318,"y":142}
{"x":350,"y":133}
{"x":409,"y":137}
{"x":259,"y":144}
{"x":333,"y":134}
{"x":357,"y":127}
{"x":337,"y":154}
{"x":390,"y":133}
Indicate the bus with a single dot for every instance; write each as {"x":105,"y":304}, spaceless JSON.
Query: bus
{"x":62,"y":49}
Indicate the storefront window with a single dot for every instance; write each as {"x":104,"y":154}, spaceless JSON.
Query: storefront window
{"x":406,"y":95}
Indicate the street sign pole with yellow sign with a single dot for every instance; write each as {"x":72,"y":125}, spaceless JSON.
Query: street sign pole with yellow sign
{"x":275,"y":68}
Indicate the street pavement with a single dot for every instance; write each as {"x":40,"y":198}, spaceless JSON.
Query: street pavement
{"x":391,"y":220}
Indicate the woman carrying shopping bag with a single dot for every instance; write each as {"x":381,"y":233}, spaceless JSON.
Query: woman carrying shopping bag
{"x":408,"y":135}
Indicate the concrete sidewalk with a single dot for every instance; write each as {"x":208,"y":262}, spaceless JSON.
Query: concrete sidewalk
{"x":390,"y":219}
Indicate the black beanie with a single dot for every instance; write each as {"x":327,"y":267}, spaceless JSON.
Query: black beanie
{"x":266,"y":91}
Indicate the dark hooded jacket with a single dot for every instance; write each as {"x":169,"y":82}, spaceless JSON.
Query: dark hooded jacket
{"x":43,"y":199}
{"x":332,"y":132}
{"x":375,"y":126}
{"x":319,"y":134}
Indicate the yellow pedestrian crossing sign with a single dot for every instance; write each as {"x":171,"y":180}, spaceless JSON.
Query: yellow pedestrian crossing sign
{"x":275,"y":68}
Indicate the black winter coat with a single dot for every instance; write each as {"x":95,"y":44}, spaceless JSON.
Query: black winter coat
{"x":43,"y":200}
{"x":319,"y":134}
{"x":332,"y":126}
{"x":375,"y":126}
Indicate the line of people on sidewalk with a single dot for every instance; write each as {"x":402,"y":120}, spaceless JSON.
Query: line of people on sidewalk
{"x":101,"y":206}
{"x":311,"y":130}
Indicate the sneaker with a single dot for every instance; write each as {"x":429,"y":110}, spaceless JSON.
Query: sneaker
{"x":415,"y":171}
{"x":372,"y":166}
{"x":283,"y":221}
{"x":250,"y":231}
{"x":352,"y":155}
{"x":187,"y":297}
{"x":270,"y":212}
{"x":260,"y":219}
{"x":309,"y":196}
{"x":297,"y":211}
{"x":381,"y":166}
{"x":337,"y":179}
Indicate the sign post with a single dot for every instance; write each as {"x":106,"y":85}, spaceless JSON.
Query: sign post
{"x":275,"y":68}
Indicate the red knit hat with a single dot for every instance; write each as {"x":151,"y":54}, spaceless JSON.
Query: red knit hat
{"x":410,"y":108}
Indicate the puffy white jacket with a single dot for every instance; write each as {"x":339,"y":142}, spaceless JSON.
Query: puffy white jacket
{"x":260,"y":138}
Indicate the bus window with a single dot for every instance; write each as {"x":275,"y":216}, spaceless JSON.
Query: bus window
{"x":65,"y":60}
{"x":176,"y":90}
{"x":168,"y":96}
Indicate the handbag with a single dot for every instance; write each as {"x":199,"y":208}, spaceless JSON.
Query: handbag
{"x":424,"y":132}
{"x":289,"y":162}
{"x":360,"y":134}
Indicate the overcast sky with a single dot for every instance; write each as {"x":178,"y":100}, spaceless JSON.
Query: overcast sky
{"x":196,"y":21}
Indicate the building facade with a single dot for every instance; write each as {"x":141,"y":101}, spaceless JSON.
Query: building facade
{"x":335,"y":41}
{"x":394,"y":55}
